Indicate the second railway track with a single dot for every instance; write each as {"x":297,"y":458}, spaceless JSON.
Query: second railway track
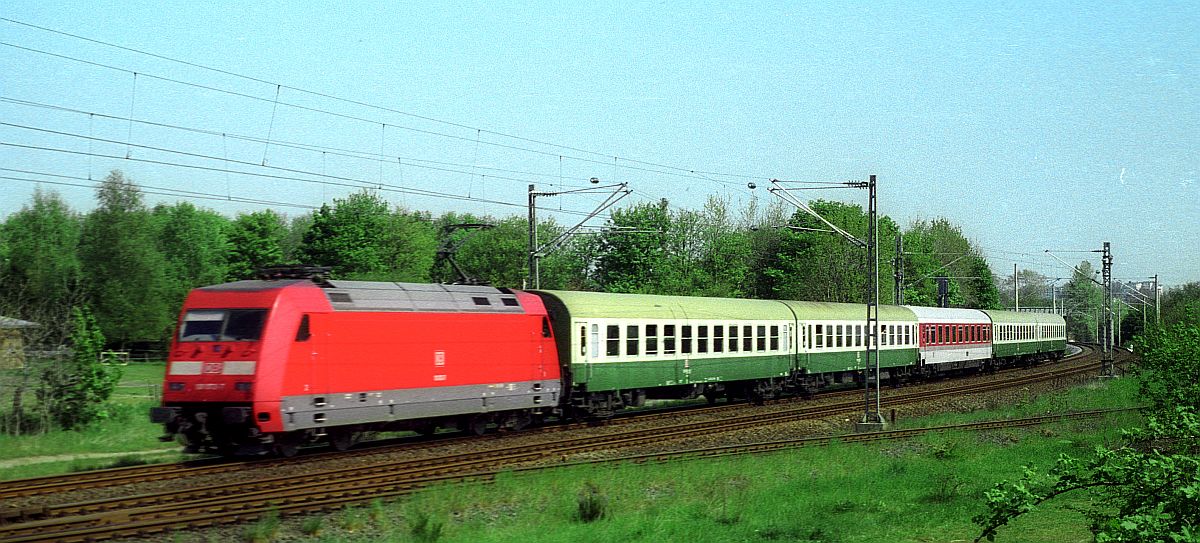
{"x":314,"y":490}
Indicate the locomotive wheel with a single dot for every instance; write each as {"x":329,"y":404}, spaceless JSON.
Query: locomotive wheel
{"x":341,"y":439}
{"x":478,"y":425}
{"x":287,"y":445}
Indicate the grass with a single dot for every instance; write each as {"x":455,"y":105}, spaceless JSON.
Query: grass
{"x":127,"y":430}
{"x":924,"y":489}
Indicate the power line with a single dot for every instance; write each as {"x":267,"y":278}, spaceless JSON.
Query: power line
{"x":163,"y":191}
{"x":664,"y":169}
{"x":336,"y":151}
{"x":369,"y":105}
{"x":362,"y":185}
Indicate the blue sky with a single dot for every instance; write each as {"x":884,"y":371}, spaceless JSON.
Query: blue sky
{"x":1033,"y":125}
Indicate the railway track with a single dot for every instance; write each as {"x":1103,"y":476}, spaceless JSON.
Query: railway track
{"x":205,"y":506}
{"x":157,"y":472}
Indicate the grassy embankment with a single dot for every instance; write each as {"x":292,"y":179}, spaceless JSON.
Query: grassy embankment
{"x":127,"y":430}
{"x":924,"y":489}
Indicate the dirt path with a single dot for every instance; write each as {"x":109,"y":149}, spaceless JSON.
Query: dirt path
{"x":4,"y":464}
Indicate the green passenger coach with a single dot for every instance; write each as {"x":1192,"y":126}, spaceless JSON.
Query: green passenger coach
{"x":616,"y":347}
{"x":833,"y":338}
{"x":1027,"y":335}
{"x":617,"y":350}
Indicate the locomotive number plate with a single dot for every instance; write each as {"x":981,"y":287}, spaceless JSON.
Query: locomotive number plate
{"x":212,"y":367}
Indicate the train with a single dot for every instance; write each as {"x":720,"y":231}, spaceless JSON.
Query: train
{"x":269,"y":365}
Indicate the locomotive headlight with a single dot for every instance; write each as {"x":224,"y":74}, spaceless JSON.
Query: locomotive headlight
{"x":175,"y":387}
{"x":242,"y":386}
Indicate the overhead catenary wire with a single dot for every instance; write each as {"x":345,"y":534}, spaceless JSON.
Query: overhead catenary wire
{"x":147,"y":189}
{"x":649,"y":167}
{"x":360,"y":182}
{"x":369,"y":105}
{"x":357,"y":184}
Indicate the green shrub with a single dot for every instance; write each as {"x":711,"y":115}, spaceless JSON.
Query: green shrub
{"x":424,"y":530}
{"x":265,"y":530}
{"x":311,"y":526}
{"x":592,"y":503}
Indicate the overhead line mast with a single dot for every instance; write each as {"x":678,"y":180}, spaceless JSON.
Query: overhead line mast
{"x":872,"y":418}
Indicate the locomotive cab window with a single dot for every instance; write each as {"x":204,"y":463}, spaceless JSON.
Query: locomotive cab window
{"x":222,"y":325}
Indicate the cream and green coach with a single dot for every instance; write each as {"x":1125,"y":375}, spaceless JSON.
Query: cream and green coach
{"x":618,"y":349}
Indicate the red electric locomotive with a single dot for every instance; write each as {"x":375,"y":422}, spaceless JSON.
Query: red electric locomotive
{"x":271,"y":364}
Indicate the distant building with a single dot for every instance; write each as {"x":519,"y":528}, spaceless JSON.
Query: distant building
{"x":12,"y":342}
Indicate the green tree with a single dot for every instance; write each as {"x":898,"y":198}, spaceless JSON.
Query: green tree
{"x":939,"y":248}
{"x":361,"y":239}
{"x":126,"y":280}
{"x":1148,"y":489}
{"x":40,"y":271}
{"x":814,"y":264}
{"x":195,"y":245}
{"x":256,"y":241}
{"x":1083,"y":298}
{"x":74,"y":392}
{"x":725,"y":259}
{"x":1180,"y":303}
{"x":634,"y":260}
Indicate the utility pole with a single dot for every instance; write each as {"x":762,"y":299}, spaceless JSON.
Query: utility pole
{"x":1016,"y":291}
{"x":536,"y":252}
{"x":534,"y":275}
{"x":1106,"y":365}
{"x":898,"y":271}
{"x":872,"y":414}
{"x":872,"y":419}
{"x":1156,"y":307}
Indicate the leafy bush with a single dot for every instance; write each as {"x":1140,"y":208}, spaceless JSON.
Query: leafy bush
{"x":592,"y":503}
{"x":74,"y":392}
{"x":1147,"y":488}
{"x":424,"y":530}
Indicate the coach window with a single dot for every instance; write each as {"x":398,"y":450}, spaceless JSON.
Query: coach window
{"x":595,"y":341}
{"x":837,"y":336}
{"x":775,"y":338}
{"x":668,"y":339}
{"x":583,"y":340}
{"x":613,"y":346}
{"x":748,"y":338}
{"x":651,"y":339}
{"x":907,"y":335}
{"x":858,"y":329}
{"x":631,"y":340}
{"x":702,"y":339}
{"x":820,"y":336}
{"x":718,"y":338}
{"x":762,"y":338}
{"x":685,"y":339}
{"x":733,"y":338}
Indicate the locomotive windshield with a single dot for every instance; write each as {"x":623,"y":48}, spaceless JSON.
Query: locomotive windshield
{"x":222,"y":325}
